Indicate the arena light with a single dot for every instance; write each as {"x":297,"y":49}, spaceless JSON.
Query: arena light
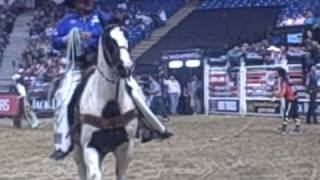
{"x":193,"y":63}
{"x":175,"y":64}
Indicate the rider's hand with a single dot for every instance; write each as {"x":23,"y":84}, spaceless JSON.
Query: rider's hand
{"x":86,"y":35}
{"x":65,"y":39}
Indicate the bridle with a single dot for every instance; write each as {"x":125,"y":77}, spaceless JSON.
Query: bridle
{"x":113,"y":60}
{"x":114,"y":64}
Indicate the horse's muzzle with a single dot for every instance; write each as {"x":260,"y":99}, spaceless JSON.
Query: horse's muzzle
{"x":123,"y":71}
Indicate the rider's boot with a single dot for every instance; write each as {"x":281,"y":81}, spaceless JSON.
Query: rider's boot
{"x":62,"y":138}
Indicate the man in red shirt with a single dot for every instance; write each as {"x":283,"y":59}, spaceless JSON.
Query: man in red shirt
{"x":291,"y":102}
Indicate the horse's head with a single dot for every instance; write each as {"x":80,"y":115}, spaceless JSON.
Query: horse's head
{"x":115,"y":50}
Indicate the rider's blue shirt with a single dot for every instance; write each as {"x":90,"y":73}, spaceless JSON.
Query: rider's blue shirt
{"x":90,"y":23}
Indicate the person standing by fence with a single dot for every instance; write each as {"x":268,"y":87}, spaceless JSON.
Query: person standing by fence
{"x":174,"y":91}
{"x":157,"y":105}
{"x":291,"y":102}
{"x":312,"y":88}
{"x":25,"y":108}
{"x":195,"y":88}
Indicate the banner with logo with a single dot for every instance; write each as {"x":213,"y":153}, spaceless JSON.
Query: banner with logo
{"x":182,"y":55}
{"x":9,"y":105}
{"x":263,"y":107}
{"x":224,"y":106}
{"x":41,"y":105}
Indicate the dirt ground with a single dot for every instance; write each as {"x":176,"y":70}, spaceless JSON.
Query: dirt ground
{"x":204,"y":148}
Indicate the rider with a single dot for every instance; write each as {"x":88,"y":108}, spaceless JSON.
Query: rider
{"x":90,"y":22}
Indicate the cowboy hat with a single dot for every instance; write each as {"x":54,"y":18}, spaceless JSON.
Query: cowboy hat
{"x":16,"y":77}
{"x":69,"y":3}
{"x":274,"y":48}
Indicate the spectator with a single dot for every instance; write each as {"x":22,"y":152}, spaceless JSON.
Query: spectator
{"x":310,"y":19}
{"x":313,"y":89}
{"x":26,"y":110}
{"x":185,"y":100}
{"x":157,"y":105}
{"x":174,"y":92}
{"x":196,"y":94}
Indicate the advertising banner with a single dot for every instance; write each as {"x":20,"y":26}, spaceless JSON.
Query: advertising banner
{"x":41,"y":105}
{"x":263,"y":107}
{"x":224,"y":106}
{"x":182,"y":55}
{"x":9,"y":105}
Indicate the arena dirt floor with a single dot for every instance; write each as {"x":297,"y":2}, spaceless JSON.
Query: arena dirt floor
{"x":204,"y":148}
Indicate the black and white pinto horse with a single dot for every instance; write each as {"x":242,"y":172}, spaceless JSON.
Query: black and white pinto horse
{"x":108,"y":122}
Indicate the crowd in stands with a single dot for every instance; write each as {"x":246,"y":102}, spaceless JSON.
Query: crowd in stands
{"x":8,"y":16}
{"x":294,"y":13}
{"x":267,"y":52}
{"x":43,"y":65}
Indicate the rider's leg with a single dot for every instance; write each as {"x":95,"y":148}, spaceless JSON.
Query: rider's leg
{"x":62,"y":137}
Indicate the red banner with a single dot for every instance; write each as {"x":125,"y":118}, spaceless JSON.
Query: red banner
{"x":9,"y":105}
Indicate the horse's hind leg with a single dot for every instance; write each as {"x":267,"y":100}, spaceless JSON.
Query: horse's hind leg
{"x":123,"y":154}
{"x":79,"y":160}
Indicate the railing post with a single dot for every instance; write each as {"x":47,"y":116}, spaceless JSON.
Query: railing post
{"x":206,"y":86}
{"x":242,"y":86}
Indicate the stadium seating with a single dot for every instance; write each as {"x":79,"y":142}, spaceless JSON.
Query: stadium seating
{"x":41,"y":28}
{"x":292,"y":8}
{"x":149,"y":8}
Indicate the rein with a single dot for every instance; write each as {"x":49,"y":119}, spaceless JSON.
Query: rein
{"x":112,"y":81}
{"x":107,"y":53}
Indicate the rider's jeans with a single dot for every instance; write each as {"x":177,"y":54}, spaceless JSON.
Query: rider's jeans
{"x":62,"y":137}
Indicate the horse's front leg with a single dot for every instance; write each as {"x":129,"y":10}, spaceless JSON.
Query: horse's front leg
{"x":124,"y":153}
{"x":91,"y":155}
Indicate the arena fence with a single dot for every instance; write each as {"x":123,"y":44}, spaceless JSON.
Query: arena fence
{"x":248,"y":90}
